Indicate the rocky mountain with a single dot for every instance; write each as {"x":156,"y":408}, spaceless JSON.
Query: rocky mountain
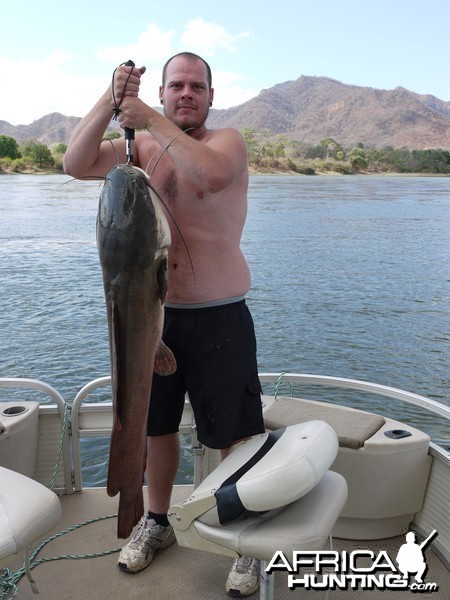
{"x":47,"y":130}
{"x":313,"y":108}
{"x":310,"y":109}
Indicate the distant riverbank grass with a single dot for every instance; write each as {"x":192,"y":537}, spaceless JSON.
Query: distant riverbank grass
{"x":330,"y":167}
{"x":266,"y":154}
{"x":301,"y":167}
{"x":280,"y":167}
{"x":278,"y":153}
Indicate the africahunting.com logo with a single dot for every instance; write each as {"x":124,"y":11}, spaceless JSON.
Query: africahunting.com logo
{"x":359,"y":569}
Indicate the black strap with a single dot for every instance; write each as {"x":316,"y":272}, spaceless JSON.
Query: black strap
{"x":229,"y":504}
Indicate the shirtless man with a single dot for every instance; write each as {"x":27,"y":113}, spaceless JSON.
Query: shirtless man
{"x":202,"y":176}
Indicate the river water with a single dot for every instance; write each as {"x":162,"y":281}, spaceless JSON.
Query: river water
{"x":350,"y":277}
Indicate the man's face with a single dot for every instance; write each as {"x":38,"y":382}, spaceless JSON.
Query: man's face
{"x":186,"y":94}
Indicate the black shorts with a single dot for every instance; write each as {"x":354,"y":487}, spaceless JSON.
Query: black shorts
{"x":215,"y":349}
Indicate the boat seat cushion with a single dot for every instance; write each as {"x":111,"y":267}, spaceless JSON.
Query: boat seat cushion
{"x":353,"y":427}
{"x":269,"y":471}
{"x":303,"y":525}
{"x":28,"y":511}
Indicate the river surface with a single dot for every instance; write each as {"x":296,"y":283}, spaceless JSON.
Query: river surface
{"x":350,"y":277}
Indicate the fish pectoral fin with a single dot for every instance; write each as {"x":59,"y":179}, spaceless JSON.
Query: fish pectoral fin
{"x":165,"y":363}
{"x":161,"y":279}
{"x":115,"y":365}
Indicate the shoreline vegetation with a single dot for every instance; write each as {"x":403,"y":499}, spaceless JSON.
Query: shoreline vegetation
{"x":271,"y":155}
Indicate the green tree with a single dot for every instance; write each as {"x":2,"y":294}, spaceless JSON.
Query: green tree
{"x":60,"y":148}
{"x":331,"y":147}
{"x":280,"y":144}
{"x":432,"y":160}
{"x":295,"y":149}
{"x":39,"y":154}
{"x":42,"y":156}
{"x":112,"y":135}
{"x":358,"y":159}
{"x":374,"y":158}
{"x":395,"y":159}
{"x":253,"y":146}
{"x":315,"y":152}
{"x":9,"y":147}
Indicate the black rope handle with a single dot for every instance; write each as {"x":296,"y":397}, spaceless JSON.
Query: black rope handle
{"x":129,"y":133}
{"x":116,"y":107}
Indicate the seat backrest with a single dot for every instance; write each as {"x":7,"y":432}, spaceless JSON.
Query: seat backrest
{"x":268,"y":471}
{"x":28,"y":511}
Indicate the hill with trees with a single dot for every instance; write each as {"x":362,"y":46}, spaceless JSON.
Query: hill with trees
{"x":309,"y":110}
{"x":308,"y":125}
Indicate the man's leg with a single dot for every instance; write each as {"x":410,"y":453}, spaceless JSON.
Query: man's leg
{"x":154,"y":531}
{"x":163,"y":456}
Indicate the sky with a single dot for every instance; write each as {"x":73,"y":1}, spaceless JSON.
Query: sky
{"x":59,"y":57}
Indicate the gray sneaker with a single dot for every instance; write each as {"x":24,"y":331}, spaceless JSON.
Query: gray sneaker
{"x":243,"y":579}
{"x":139,"y":551}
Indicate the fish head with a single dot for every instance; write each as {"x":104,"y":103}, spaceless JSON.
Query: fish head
{"x":132,"y":230}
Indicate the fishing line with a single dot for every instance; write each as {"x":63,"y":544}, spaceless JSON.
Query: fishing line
{"x":180,"y":234}
{"x":114,"y":149}
{"x":162,"y":201}
{"x":85,"y":178}
{"x":165,"y":150}
{"x":117,"y":110}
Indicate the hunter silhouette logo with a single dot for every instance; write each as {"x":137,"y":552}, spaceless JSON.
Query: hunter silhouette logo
{"x":361,"y":569}
{"x":410,"y":558}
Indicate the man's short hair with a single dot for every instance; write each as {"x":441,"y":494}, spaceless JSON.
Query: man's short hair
{"x":190,"y":56}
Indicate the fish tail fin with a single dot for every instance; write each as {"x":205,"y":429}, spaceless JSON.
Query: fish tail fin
{"x":114,"y":482}
{"x":131,"y":509}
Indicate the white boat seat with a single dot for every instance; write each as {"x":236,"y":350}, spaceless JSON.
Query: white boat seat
{"x":259,"y":499}
{"x":385,"y":463}
{"x":303,"y":525}
{"x":28,"y":511}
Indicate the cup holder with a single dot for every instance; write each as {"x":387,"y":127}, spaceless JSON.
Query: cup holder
{"x":13,"y":411}
{"x":397,"y":434}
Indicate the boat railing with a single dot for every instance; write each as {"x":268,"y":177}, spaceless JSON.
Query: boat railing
{"x":96,"y":418}
{"x":298,"y":379}
{"x":93,"y":419}
{"x":99,"y":422}
{"x":59,"y":408}
{"x":357,"y":384}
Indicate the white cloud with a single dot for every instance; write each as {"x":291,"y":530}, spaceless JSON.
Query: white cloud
{"x":44,"y":86}
{"x":152,"y":46}
{"x":58,"y":57}
{"x":229,"y":91}
{"x":203,"y":38}
{"x":52,"y":83}
{"x":155,"y":46}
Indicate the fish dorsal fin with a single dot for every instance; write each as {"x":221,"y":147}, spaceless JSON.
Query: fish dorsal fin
{"x":165,"y":363}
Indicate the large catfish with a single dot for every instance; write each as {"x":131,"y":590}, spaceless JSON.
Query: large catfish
{"x":133,"y":237}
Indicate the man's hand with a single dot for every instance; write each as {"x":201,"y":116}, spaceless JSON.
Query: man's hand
{"x":126,"y":82}
{"x":135,"y":114}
